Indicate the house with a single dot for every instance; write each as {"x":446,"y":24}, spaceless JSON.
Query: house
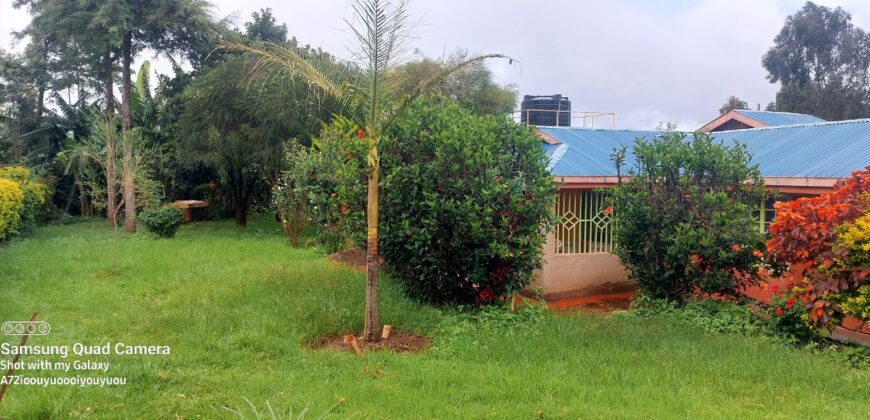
{"x":741,"y":119}
{"x":795,"y":160}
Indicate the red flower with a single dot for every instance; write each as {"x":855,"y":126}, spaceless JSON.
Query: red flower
{"x":696,"y":259}
{"x":792,"y":299}
{"x":758,"y":254}
{"x":361,"y":134}
{"x":761,"y":273}
{"x":343,"y":209}
{"x":775,"y":288}
{"x":788,"y":306}
{"x":779,"y":311}
{"x":609,"y":210}
{"x":736,"y":247}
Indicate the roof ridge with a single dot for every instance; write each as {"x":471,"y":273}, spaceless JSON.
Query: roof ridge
{"x":799,"y":125}
{"x":777,"y":112}
{"x":598,"y":129}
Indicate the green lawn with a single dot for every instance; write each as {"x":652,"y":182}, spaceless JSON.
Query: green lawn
{"x":237,"y":307}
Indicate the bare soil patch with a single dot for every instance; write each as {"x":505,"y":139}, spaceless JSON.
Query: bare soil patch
{"x":398,"y":342}
{"x":598,"y":302}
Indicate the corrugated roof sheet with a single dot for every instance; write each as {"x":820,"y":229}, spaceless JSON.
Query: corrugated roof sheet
{"x":818,"y":150}
{"x":774,"y":119}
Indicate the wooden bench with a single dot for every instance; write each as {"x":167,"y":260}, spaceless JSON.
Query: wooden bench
{"x":191,"y":209}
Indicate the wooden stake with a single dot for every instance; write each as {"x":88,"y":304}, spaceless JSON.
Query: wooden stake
{"x":387,"y":330}
{"x":16,"y":357}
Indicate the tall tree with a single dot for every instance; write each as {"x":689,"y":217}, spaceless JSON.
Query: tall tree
{"x":823,"y":64}
{"x":240,"y":132}
{"x":371,"y":94}
{"x":472,"y":87}
{"x":265,"y":28}
{"x":80,"y":25}
{"x":733,"y":102}
{"x":165,"y":26}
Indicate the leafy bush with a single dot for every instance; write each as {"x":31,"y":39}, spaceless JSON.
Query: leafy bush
{"x":11,"y":203}
{"x":783,"y":322}
{"x":34,"y":194}
{"x":710,"y":315}
{"x":326,"y":186}
{"x":465,"y":201}
{"x":823,"y":240}
{"x":289,"y":195}
{"x":788,"y":318}
{"x":684,"y":219}
{"x":854,"y":238}
{"x":163,"y":221}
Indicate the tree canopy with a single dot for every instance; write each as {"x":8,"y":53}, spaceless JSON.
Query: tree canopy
{"x":263,"y":27}
{"x":822,"y":61}
{"x":472,"y":87}
{"x":733,"y":102}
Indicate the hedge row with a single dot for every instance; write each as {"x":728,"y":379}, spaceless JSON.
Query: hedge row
{"x":21,"y":200}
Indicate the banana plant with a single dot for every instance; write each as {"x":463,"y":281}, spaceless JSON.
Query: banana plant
{"x":143,"y":106}
{"x":369,"y":90}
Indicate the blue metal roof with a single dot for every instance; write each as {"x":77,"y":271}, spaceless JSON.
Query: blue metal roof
{"x":818,"y":150}
{"x":773,"y":119}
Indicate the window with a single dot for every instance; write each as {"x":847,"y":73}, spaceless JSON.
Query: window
{"x":585,"y":223}
{"x":765,"y":213}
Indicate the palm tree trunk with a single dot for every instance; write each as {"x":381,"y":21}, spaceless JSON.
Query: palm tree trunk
{"x":128,"y":182}
{"x":373,"y":311}
{"x":111,"y":192}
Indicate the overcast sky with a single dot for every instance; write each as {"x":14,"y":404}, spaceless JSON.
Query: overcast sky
{"x":647,"y":61}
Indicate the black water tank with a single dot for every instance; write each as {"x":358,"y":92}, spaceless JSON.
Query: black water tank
{"x":546,"y":110}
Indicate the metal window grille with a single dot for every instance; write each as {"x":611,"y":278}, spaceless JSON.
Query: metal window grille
{"x":585,"y":222}
{"x":765,"y":213}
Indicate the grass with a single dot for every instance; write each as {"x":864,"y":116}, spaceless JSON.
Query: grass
{"x":238,"y":305}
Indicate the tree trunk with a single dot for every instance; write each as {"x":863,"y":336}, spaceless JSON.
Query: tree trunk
{"x":128,"y":182}
{"x":372,"y":323}
{"x":83,"y":198}
{"x":40,"y":80}
{"x":111,"y":192}
{"x":241,"y":214}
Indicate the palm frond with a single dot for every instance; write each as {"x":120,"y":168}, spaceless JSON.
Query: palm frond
{"x":382,"y":30}
{"x":333,"y":79}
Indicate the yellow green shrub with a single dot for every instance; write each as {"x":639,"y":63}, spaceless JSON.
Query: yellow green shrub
{"x":34,"y":192}
{"x":855,"y":238}
{"x":11,"y":204}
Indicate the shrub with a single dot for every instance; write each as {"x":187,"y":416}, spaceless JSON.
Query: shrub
{"x":465,"y":201}
{"x":788,"y":318}
{"x":683,"y":219}
{"x":854,"y":239}
{"x":823,"y":240}
{"x":11,"y":203}
{"x":290,"y":195}
{"x":326,"y":186}
{"x":163,"y":221}
{"x":34,"y":194}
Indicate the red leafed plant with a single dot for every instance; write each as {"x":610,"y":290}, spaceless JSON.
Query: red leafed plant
{"x":804,"y":237}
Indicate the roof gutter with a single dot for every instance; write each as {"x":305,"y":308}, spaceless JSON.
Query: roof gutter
{"x":794,"y":185}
